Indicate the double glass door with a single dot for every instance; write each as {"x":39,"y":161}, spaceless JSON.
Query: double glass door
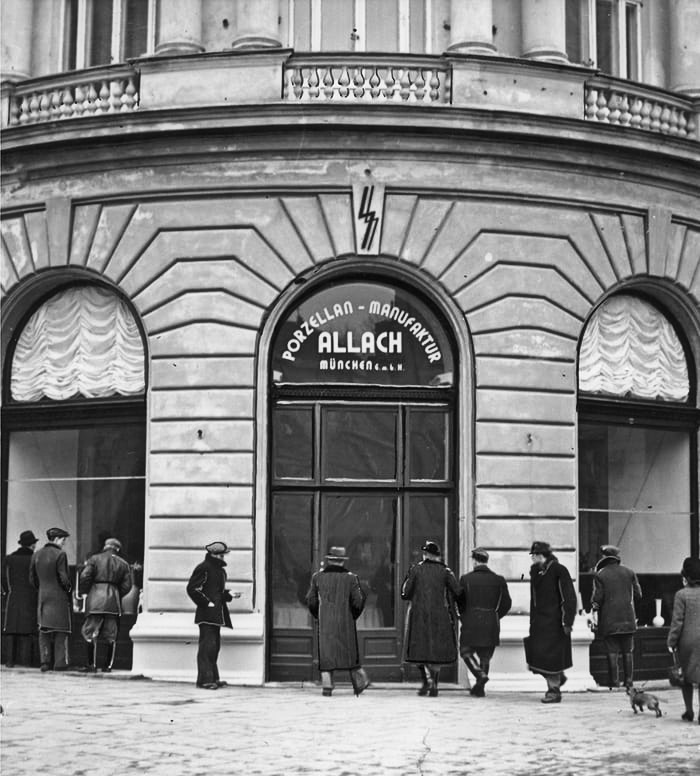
{"x":375,"y":478}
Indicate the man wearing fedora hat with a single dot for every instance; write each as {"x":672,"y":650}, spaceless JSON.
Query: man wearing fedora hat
{"x":207,"y":589}
{"x":336,"y":599}
{"x":431,"y":628}
{"x":20,"y":610}
{"x":48,"y":572}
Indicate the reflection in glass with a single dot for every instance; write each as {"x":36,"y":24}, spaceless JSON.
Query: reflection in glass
{"x":428,"y":439}
{"x":292,"y":430}
{"x":291,"y":558}
{"x":366,"y":527}
{"x":359,"y":445}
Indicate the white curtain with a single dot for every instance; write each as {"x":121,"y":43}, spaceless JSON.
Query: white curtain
{"x":82,"y":342}
{"x":630,"y":349}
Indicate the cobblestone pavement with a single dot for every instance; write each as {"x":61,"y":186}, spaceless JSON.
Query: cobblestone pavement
{"x":77,"y":725}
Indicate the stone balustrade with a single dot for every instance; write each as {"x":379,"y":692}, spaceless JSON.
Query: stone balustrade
{"x":629,"y":105}
{"x":69,"y":96}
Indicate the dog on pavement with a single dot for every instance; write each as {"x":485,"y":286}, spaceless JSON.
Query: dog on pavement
{"x":640,"y":698}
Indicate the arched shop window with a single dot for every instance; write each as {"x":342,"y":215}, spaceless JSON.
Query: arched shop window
{"x":74,"y":424}
{"x":637,"y":448}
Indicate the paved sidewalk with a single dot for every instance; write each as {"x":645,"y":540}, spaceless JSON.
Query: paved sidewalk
{"x":78,"y":725}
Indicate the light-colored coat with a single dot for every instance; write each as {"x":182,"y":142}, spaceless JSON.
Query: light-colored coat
{"x":684,"y":633}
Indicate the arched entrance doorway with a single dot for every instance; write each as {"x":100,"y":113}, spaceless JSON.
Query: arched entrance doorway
{"x":362,"y":455}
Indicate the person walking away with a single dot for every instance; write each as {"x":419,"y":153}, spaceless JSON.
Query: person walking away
{"x":20,"y":610}
{"x":207,"y":589}
{"x":336,"y":599}
{"x":483,"y":602}
{"x":431,"y":637}
{"x":552,"y":613}
{"x":105,"y":580}
{"x":615,"y":592}
{"x":684,"y":633}
{"x":48,"y":572}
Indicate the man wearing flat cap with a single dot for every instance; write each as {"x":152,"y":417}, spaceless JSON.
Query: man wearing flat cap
{"x":552,"y":613}
{"x":615,"y":592}
{"x":336,"y":599}
{"x":20,"y":611}
{"x":483,"y":602}
{"x":105,"y":579}
{"x":431,"y":627}
{"x":48,"y":573}
{"x":207,"y":588}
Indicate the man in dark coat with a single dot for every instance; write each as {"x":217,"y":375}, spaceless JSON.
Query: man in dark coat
{"x":20,"y":611}
{"x":484,"y":601}
{"x":207,"y":588}
{"x":48,"y":572}
{"x":105,"y":580}
{"x":552,"y":613}
{"x":615,"y":590}
{"x":336,"y":599}
{"x":431,"y":636}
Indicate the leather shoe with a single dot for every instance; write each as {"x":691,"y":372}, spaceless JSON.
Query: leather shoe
{"x":552,"y":698}
{"x":221,"y":683}
{"x":209,"y":686}
{"x":687,"y":716}
{"x":45,"y":667}
{"x":327,"y":692}
{"x":88,"y":669}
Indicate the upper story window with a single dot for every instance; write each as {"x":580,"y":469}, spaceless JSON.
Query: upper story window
{"x":605,"y":34}
{"x":359,"y":25}
{"x":104,"y":32}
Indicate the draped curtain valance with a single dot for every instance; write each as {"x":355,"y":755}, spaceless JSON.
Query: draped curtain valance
{"x":81,"y":342}
{"x":629,"y":349}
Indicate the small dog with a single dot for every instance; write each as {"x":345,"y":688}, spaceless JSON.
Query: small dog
{"x":642,"y":699}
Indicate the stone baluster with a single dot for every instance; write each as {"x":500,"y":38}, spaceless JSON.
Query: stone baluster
{"x":17,"y":17}
{"x":471,"y":27}
{"x":257,"y":24}
{"x":179,"y":27}
{"x":544,"y":30}
{"x":685,"y":46}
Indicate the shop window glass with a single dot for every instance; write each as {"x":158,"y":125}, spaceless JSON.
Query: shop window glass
{"x":429,"y":438}
{"x":359,"y":444}
{"x":292,"y":437}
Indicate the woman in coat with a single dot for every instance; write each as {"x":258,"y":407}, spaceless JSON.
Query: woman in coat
{"x":552,"y":613}
{"x":20,"y":612}
{"x":684,"y":633}
{"x":431,"y":625}
{"x":336,"y":600}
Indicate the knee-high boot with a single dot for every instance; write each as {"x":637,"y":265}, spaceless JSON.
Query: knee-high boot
{"x":426,"y":680}
{"x":628,"y":668}
{"x":111,"y":653}
{"x":613,"y":677}
{"x":91,"y":666}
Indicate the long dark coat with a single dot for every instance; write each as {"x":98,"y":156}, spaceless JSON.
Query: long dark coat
{"x":20,"y":612}
{"x":106,"y":579}
{"x":615,"y":590}
{"x":48,"y":572}
{"x":208,"y":585}
{"x":484,"y":601}
{"x":684,"y":633}
{"x":552,"y":606}
{"x":431,"y":635}
{"x":336,"y":599}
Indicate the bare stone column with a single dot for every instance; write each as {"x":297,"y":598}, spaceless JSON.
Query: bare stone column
{"x":257,"y":24}
{"x":544,"y":30}
{"x":471,"y":27}
{"x":179,"y":27}
{"x":685,"y":46}
{"x":17,"y":18}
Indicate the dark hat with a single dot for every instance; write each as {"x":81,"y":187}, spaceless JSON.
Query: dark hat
{"x":217,"y":548}
{"x":610,"y":551}
{"x":115,"y":543}
{"x":432,"y":548}
{"x":27,"y":538}
{"x":540,"y":548}
{"x":691,"y":569}
{"x":480,"y":554}
{"x":56,"y":533}
{"x":336,"y":554}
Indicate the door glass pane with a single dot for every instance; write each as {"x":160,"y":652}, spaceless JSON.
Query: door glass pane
{"x":606,"y":36}
{"x":337,"y":24}
{"x":427,"y":435}
{"x":366,"y":527}
{"x":632,"y":37}
{"x":417,"y":27}
{"x":359,"y":444}
{"x":426,"y":520}
{"x":135,"y":28}
{"x":100,"y":33}
{"x":382,"y":29}
{"x":292,"y":443}
{"x":291,"y":559}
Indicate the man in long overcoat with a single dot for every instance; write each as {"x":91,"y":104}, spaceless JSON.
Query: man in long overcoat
{"x":336,"y":599}
{"x":552,"y":613}
{"x":48,"y":572}
{"x":105,"y":579}
{"x":615,"y":591}
{"x":484,"y":601}
{"x":207,"y":588}
{"x":431,"y":636}
{"x":20,"y":611}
